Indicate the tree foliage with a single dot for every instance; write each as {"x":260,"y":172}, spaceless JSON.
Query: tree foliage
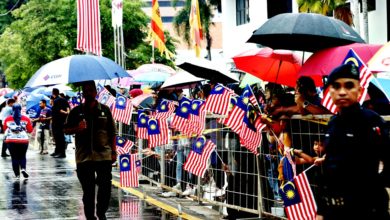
{"x":45,"y":30}
{"x":319,"y":6}
{"x":182,"y":25}
{"x":6,"y":7}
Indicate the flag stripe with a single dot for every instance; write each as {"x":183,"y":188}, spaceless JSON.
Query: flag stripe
{"x":197,"y":163}
{"x":88,"y":26}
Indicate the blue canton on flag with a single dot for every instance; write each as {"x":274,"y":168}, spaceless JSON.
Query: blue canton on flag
{"x":124,"y":162}
{"x":121,"y":102}
{"x":289,"y":193}
{"x":198,"y":146}
{"x":153,"y":127}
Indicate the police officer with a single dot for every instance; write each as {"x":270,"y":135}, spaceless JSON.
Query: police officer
{"x":351,"y":186}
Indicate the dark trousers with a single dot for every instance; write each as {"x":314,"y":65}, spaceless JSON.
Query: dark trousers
{"x":18,"y":156}
{"x":4,"y":149}
{"x":59,"y":139}
{"x":86,"y":173}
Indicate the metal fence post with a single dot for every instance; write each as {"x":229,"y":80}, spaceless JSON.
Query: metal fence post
{"x":162,"y":165}
{"x":259,"y":192}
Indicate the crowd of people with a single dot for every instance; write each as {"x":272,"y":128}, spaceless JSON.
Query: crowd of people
{"x":335,"y":148}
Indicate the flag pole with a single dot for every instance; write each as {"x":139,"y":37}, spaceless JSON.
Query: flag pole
{"x":153,"y":42}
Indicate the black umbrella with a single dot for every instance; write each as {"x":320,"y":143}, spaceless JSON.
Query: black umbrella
{"x":207,"y":70}
{"x":304,"y":31}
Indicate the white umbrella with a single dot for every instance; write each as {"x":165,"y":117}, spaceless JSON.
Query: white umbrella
{"x":181,"y":80}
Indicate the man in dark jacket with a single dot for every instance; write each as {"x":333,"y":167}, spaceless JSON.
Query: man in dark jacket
{"x":351,"y":184}
{"x":95,"y":131}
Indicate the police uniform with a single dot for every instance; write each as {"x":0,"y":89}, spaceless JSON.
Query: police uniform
{"x":351,"y":186}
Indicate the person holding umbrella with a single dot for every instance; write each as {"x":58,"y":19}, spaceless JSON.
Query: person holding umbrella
{"x":350,"y":184}
{"x":95,"y":131}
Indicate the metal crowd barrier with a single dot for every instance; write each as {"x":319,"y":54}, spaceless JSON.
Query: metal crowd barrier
{"x":248,"y":178}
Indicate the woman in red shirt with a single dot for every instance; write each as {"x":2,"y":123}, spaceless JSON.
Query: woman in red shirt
{"x":16,"y":127}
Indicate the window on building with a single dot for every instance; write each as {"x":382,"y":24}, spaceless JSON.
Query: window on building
{"x":242,"y":12}
{"x":275,"y":7}
{"x":371,"y":5}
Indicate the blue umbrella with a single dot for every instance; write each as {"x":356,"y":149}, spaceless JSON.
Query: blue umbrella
{"x":32,"y":104}
{"x":383,"y":84}
{"x":76,"y":68}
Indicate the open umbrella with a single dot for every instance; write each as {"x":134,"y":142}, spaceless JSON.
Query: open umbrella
{"x":304,"y":31}
{"x":152,"y":72}
{"x":32,"y":104}
{"x":208,"y":70}
{"x":321,"y":63}
{"x":277,"y":66}
{"x":380,"y":62}
{"x":76,"y":68}
{"x":125,"y":81}
{"x":181,"y":80}
{"x":4,"y":91}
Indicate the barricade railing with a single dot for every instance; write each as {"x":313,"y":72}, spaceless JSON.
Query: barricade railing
{"x":245,"y":178}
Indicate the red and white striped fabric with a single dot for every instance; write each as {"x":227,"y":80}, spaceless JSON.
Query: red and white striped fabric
{"x":158,"y":132}
{"x":307,"y":208}
{"x":251,"y":139}
{"x":219,"y":100}
{"x":123,"y":146}
{"x":236,"y":116}
{"x":122,"y":110}
{"x":197,"y":159}
{"x":287,"y":154}
{"x":165,"y":109}
{"x":128,"y":170}
{"x":131,"y":209}
{"x":106,"y":98}
{"x":328,"y":103}
{"x":197,"y":117}
{"x":88,"y":27}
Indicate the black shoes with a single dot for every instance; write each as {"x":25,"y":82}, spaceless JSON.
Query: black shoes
{"x":25,"y":174}
{"x":59,"y":156}
{"x":5,"y":155}
{"x":53,"y":154}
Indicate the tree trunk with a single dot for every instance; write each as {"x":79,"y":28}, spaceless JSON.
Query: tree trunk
{"x":365,"y":20}
{"x":356,"y":12}
{"x":208,"y":46}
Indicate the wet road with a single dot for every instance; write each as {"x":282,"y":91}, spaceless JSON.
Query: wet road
{"x":53,"y":192}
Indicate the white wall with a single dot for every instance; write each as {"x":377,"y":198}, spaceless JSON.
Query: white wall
{"x":235,"y":37}
{"x":377,"y":23}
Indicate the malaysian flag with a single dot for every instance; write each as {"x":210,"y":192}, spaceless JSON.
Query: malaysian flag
{"x":75,"y":101}
{"x":327,"y":101}
{"x":219,"y":100}
{"x":298,"y":199}
{"x":122,"y":110}
{"x":88,"y":27}
{"x":105,"y":97}
{"x":197,"y":117}
{"x":128,"y":170}
{"x":165,"y":109}
{"x":142,"y":125}
{"x":289,"y":167}
{"x":365,"y":74}
{"x":236,"y":116}
{"x":199,"y":155}
{"x":249,"y":96}
{"x":158,"y":133}
{"x":123,"y":146}
{"x":233,"y":102}
{"x":131,"y":209}
{"x":182,"y":114}
{"x":251,"y":134}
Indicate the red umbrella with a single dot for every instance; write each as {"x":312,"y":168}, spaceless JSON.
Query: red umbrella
{"x":321,"y":63}
{"x":278,"y":66}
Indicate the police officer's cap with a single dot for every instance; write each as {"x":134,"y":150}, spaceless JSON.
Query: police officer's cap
{"x":343,"y":71}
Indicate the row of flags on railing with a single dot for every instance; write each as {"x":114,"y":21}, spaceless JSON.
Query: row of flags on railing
{"x":89,"y":30}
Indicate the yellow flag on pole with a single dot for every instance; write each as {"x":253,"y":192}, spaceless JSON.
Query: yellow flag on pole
{"x":195,"y":26}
